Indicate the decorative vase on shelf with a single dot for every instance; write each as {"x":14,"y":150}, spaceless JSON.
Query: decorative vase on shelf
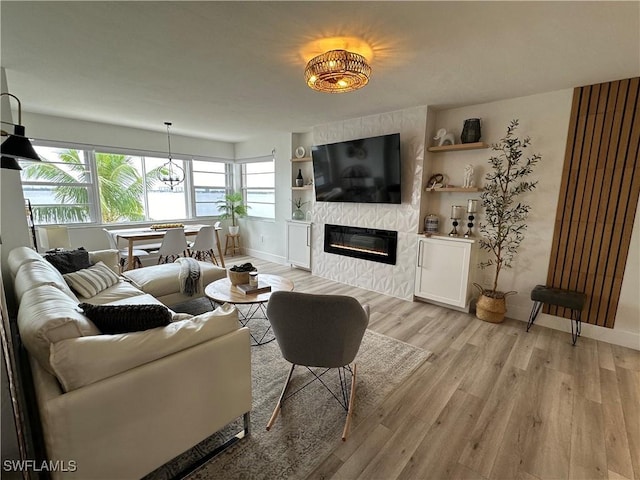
{"x":299,"y":179}
{"x":471,"y":131}
{"x":298,"y":214}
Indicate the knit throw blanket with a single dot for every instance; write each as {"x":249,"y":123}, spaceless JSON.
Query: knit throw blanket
{"x":190,"y":278}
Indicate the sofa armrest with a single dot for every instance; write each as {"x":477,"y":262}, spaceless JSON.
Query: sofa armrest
{"x":129,"y":424}
{"x":110,"y":258}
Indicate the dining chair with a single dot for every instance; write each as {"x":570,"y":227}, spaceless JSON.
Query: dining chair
{"x":174,"y":244}
{"x":204,"y":245}
{"x":124,"y":252}
{"x":322,"y":331}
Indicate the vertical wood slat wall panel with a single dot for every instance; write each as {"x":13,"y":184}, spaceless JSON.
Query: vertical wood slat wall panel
{"x":598,"y":198}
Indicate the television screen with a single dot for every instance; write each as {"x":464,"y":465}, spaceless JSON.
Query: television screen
{"x":364,"y":171}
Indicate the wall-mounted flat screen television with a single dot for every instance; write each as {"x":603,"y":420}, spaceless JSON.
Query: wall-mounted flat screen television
{"x":366,"y":170}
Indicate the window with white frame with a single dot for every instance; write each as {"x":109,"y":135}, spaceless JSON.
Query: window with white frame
{"x":75,"y":185}
{"x":258,"y":187}
{"x":210,"y":180}
{"x":60,"y":187}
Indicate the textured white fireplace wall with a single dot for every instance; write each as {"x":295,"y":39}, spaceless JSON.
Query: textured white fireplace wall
{"x":395,"y":280}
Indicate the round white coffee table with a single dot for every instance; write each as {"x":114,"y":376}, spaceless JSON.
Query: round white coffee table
{"x":221,"y":291}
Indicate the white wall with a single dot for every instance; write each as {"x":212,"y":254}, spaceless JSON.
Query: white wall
{"x":46,"y":127}
{"x":266,"y":238}
{"x":545,"y":118}
{"x":395,"y":280}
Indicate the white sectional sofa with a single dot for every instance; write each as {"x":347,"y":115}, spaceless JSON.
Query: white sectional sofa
{"x":119,"y":406}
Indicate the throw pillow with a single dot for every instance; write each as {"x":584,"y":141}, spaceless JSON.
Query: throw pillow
{"x":113,"y":319}
{"x":88,"y":282}
{"x":71,"y":261}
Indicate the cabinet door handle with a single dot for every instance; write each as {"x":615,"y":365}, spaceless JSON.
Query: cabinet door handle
{"x":308,"y":239}
{"x":419,"y":253}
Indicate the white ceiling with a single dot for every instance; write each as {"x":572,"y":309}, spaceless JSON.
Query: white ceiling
{"x":233,"y":70}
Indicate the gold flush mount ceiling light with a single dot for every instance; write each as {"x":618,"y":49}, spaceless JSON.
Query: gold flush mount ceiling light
{"x":337,"y":71}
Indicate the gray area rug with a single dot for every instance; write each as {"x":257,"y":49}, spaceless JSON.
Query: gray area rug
{"x":310,"y":424}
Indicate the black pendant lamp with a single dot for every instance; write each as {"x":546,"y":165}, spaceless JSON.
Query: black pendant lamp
{"x":170,"y":174}
{"x":17,"y":146}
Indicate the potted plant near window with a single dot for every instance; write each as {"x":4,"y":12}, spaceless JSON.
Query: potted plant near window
{"x":504,"y":224}
{"x":232,"y":207}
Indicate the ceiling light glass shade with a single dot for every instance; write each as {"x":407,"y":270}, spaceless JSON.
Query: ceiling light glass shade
{"x":337,"y":71}
{"x":9,"y":163}
{"x":170,"y":173}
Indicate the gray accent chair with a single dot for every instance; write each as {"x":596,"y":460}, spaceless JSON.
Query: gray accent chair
{"x":322,"y":331}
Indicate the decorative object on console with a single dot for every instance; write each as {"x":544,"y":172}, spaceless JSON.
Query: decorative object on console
{"x":114,"y":319}
{"x":444,"y":138}
{"x":456,"y":214}
{"x":300,"y":151}
{"x":431,"y":224}
{"x":471,"y":131}
{"x":239,"y":274}
{"x":468,"y":181}
{"x":472,"y":209}
{"x":337,"y":71}
{"x":17,"y":146}
{"x":299,"y":179}
{"x":505,"y":215}
{"x":435,"y":181}
{"x":298,"y":214}
{"x":170,"y":173}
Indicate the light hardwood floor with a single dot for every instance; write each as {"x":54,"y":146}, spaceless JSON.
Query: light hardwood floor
{"x":493,"y":402}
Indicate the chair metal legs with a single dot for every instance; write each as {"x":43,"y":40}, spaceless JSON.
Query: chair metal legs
{"x":348,"y":394}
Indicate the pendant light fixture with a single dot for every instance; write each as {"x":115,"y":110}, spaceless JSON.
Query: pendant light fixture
{"x":17,"y":146}
{"x":337,"y":71}
{"x":170,"y":173}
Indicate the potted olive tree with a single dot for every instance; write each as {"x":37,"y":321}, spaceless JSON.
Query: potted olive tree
{"x":503,"y":227}
{"x":232,"y":207}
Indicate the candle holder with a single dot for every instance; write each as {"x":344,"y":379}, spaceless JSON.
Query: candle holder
{"x":472,"y":208}
{"x":454,"y":231}
{"x":456,"y":214}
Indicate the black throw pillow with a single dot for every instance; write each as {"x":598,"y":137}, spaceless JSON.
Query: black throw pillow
{"x":112,"y":319}
{"x":69,"y":262}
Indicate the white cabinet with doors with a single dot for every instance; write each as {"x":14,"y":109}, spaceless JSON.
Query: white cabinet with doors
{"x":299,"y":244}
{"x":444,"y":270}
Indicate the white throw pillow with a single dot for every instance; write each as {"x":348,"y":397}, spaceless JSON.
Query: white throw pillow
{"x":88,"y":282}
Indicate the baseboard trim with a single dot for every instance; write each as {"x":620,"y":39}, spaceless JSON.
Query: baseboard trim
{"x":617,"y":337}
{"x":269,"y":257}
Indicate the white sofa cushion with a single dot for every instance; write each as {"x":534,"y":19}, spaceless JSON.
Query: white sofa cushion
{"x":19,"y":256}
{"x":81,"y":361}
{"x":89,"y":282}
{"x":47,"y":316}
{"x":31,"y":275}
{"x":161,"y":280}
{"x":120,"y":291}
{"x":109,"y":257}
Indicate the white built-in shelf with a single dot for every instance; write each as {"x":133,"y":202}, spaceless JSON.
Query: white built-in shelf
{"x":453,"y":189}
{"x":303,"y":159}
{"x":306,"y":187}
{"x":458,"y":147}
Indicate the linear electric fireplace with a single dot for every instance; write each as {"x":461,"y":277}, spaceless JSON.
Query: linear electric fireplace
{"x":366,"y":243}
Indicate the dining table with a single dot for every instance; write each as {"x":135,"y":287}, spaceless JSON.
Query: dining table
{"x":133,"y":235}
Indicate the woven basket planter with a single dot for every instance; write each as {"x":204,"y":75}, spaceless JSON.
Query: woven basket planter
{"x":491,"y":309}
{"x":238,"y":278}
